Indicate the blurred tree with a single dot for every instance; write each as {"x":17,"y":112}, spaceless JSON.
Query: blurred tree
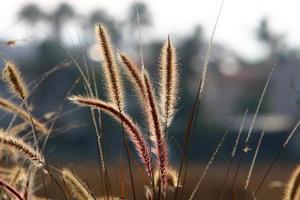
{"x":189,"y":50}
{"x":188,"y":53}
{"x":274,"y":41}
{"x":31,"y":13}
{"x":113,"y":26}
{"x":263,"y":31}
{"x":58,"y":18}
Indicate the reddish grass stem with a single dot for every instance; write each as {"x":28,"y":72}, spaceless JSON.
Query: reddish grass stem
{"x":11,"y":190}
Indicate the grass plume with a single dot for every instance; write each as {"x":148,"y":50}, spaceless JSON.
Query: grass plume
{"x":157,"y":136}
{"x":292,"y":190}
{"x":169,"y":82}
{"x":134,"y":75}
{"x":111,"y":70}
{"x":131,"y":128}
{"x":14,"y":80}
{"x":114,"y":84}
{"x":75,"y":186}
{"x":20,"y":146}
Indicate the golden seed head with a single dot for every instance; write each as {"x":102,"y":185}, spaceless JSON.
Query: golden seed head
{"x":75,"y":185}
{"x":113,"y":79}
{"x":12,"y":76}
{"x":168,"y":82}
{"x":23,"y":148}
{"x":292,"y":190}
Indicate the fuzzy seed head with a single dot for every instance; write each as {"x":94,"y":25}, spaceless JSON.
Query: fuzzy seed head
{"x":157,"y":136}
{"x":168,"y":82}
{"x":292,"y":190}
{"x":114,"y":84}
{"x":134,"y":75}
{"x":75,"y":186}
{"x":20,"y":146}
{"x":14,"y":80}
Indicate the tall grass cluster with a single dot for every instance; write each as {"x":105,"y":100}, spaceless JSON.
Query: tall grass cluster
{"x":24,"y":162}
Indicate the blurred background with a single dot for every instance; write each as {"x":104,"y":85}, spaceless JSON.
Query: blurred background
{"x":250,"y":38}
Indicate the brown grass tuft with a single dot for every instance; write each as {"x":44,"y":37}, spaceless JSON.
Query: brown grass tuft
{"x":168,"y":82}
{"x":20,"y":146}
{"x":12,"y":108}
{"x":111,"y":70}
{"x":292,"y":190}
{"x":75,"y":186}
{"x":14,"y":80}
{"x":131,"y":128}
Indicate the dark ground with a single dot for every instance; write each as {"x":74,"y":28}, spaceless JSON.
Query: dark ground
{"x":209,"y":189}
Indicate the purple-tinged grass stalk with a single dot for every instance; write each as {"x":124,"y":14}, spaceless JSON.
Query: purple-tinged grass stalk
{"x":134,"y":75}
{"x":131,"y":128}
{"x":11,"y":190}
{"x":157,"y":137}
{"x":292,"y":189}
{"x":114,"y":84}
{"x":148,"y":193}
{"x":137,"y":77}
{"x":146,"y":96}
{"x":172,"y":179}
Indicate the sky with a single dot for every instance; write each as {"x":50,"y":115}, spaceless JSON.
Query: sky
{"x":236,"y":28}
